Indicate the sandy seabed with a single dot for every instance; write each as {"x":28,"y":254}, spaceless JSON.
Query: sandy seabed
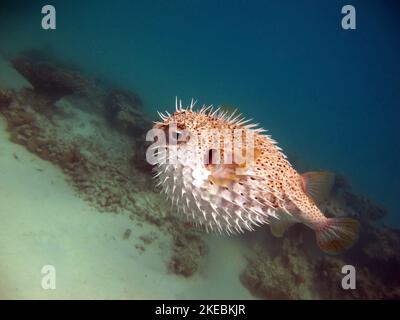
{"x":44,"y":222}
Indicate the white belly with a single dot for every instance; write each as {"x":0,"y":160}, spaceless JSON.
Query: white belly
{"x":215,"y":208}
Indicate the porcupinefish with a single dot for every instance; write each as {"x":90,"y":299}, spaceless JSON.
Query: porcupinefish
{"x":227,"y":175}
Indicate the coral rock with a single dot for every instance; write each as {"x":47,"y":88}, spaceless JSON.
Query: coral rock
{"x":47,"y":78}
{"x":287,"y":275}
{"x":5,"y":98}
{"x":189,"y":248}
{"x":123,"y":111}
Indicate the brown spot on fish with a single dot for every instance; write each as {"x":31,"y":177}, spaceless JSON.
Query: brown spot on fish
{"x":255,"y":187}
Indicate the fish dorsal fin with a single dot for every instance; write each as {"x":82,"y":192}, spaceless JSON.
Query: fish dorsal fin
{"x":318,"y":185}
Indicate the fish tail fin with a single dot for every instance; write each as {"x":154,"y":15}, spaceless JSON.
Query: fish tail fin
{"x":337,"y":234}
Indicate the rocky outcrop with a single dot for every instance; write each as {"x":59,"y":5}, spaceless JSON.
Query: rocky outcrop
{"x":101,"y":153}
{"x":287,"y":275}
{"x":188,"y":252}
{"x":48,"y":78}
{"x":123,"y":110}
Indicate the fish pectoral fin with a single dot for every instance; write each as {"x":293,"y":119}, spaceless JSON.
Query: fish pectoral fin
{"x":318,"y":185}
{"x":223,"y":175}
{"x":246,"y":157}
{"x":279,"y":227}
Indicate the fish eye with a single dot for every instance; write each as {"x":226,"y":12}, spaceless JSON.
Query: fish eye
{"x":177,"y":135}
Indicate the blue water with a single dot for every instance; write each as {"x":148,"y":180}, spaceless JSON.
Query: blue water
{"x":330,"y":97}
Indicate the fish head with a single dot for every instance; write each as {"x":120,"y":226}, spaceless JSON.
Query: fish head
{"x":207,"y":143}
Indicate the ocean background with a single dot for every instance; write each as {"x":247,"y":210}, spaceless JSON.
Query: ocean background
{"x":330,"y":97}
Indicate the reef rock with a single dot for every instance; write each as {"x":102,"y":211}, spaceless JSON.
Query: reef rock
{"x":364,"y":208}
{"x":379,"y":251}
{"x":328,"y":279}
{"x":5,"y":98}
{"x":123,"y":110}
{"x":287,"y":275}
{"x":47,"y":77}
{"x":188,"y":251}
{"x":71,"y":121}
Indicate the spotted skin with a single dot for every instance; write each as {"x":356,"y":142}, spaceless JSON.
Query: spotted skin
{"x":214,"y":195}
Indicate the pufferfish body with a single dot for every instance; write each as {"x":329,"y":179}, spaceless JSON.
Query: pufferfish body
{"x":227,"y":176}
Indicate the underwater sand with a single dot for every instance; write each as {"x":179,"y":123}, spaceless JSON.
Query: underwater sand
{"x":43,"y":222}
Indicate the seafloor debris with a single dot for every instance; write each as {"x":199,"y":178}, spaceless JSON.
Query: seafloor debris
{"x":126,"y":234}
{"x":140,"y":248}
{"x":287,"y":275}
{"x":271,"y":269}
{"x":189,"y":249}
{"x":148,"y":239}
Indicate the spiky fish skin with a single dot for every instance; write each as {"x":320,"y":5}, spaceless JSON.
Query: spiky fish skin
{"x":269,"y":189}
